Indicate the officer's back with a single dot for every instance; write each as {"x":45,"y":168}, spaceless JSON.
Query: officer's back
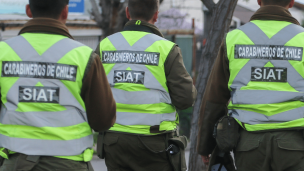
{"x":262,"y":64}
{"x":54,"y":92}
{"x":149,"y":81}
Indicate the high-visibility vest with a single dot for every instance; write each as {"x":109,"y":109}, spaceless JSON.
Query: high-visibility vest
{"x":134,"y":64}
{"x":42,"y":111}
{"x":266,"y":75}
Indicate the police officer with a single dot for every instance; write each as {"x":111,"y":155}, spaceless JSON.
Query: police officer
{"x":149,"y":81}
{"x":260,"y":68}
{"x":54,"y":92}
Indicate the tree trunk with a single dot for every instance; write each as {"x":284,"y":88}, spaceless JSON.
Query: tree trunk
{"x":121,"y":19}
{"x":106,"y":15}
{"x":95,"y":13}
{"x":222,"y":13}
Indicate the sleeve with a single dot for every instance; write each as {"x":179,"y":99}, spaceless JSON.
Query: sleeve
{"x":214,"y":103}
{"x":97,"y":96}
{"x":180,"y":84}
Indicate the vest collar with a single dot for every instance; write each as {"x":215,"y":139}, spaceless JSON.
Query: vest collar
{"x":45,"y":25}
{"x":134,"y":25}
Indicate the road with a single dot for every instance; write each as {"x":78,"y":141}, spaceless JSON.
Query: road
{"x":99,"y":165}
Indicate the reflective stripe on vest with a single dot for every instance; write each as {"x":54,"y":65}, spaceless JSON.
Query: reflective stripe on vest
{"x":254,"y":118}
{"x":156,"y":94}
{"x":256,"y":97}
{"x":50,"y":133}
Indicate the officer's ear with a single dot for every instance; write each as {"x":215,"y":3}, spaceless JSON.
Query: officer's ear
{"x":128,"y":13}
{"x":28,"y":11}
{"x":155,"y":17}
{"x":292,"y":2}
{"x":64,"y":14}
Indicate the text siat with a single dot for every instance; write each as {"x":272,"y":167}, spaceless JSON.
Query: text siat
{"x":268,"y":74}
{"x":39,"y":94}
{"x":137,"y":77}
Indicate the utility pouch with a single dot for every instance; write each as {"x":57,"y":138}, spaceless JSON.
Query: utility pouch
{"x":26,"y":162}
{"x":226,"y":133}
{"x":176,"y":152}
{"x":100,"y":145}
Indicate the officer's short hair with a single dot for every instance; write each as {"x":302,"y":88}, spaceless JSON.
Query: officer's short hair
{"x":143,"y":9}
{"x":47,"y":8}
{"x":283,"y":3}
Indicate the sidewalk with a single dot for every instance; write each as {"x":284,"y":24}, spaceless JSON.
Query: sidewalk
{"x":99,"y":165}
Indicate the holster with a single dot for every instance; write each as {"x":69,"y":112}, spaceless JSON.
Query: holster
{"x":100,"y":145}
{"x":26,"y":162}
{"x":178,"y":161}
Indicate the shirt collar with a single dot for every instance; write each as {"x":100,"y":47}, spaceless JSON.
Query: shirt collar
{"x":45,"y":25}
{"x":274,"y":12}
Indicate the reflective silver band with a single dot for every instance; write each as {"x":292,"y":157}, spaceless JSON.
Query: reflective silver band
{"x":47,"y":147}
{"x":258,"y":37}
{"x":253,"y":118}
{"x":141,"y":97}
{"x":66,"y":118}
{"x":27,"y":53}
{"x":120,"y":43}
{"x":125,"y":118}
{"x":265,"y":96}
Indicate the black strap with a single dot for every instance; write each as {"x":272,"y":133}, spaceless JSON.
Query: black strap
{"x":90,"y":167}
{"x":220,"y":168}
{"x":100,"y":145}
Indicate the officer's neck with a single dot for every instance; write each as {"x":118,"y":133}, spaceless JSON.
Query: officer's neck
{"x":286,"y":7}
{"x":276,"y":5}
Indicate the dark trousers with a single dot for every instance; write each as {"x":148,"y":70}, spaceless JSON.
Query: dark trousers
{"x":126,"y":152}
{"x":270,"y":151}
{"x":47,"y":164}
